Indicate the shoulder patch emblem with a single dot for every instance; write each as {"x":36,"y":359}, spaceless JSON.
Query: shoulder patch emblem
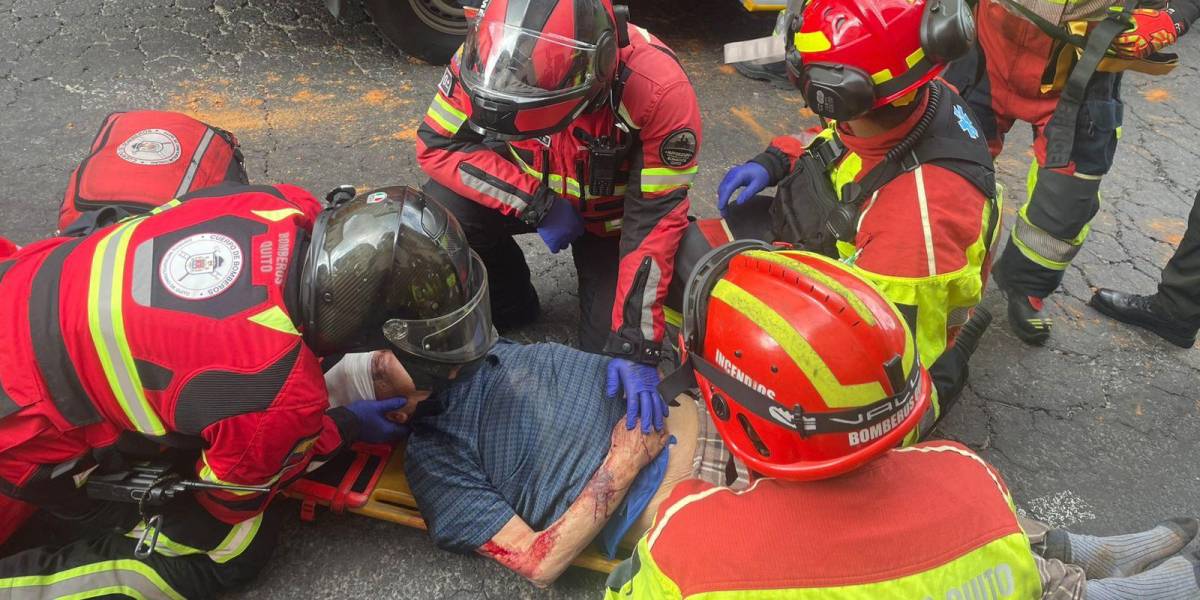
{"x":965,"y":123}
{"x":679,"y":148}
{"x":151,"y":147}
{"x":446,"y":85}
{"x":201,"y":266}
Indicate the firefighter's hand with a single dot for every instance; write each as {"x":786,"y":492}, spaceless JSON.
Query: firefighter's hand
{"x":640,"y":384}
{"x":374,"y":426}
{"x":1149,"y":32}
{"x":751,"y":176}
{"x":561,"y":225}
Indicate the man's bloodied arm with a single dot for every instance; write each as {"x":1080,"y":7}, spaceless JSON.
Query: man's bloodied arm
{"x":541,"y":556}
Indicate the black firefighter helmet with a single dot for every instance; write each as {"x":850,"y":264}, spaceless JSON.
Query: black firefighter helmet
{"x":392,"y":269}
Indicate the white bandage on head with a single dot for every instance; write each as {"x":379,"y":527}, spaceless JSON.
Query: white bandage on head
{"x":350,"y":380}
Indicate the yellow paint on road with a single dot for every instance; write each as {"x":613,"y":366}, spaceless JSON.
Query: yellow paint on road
{"x":745,"y":114}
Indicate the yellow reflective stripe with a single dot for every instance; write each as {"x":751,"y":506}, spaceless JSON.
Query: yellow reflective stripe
{"x":276,"y":215}
{"x":883,"y":76}
{"x":915,"y":57}
{"x":451,"y":119}
{"x":672,"y":316}
{"x":780,"y":258}
{"x":239,"y":538}
{"x":1044,"y":249}
{"x":834,"y":392}
{"x":813,"y":41}
{"x":566,"y":185}
{"x":132,"y":577}
{"x":106,"y":323}
{"x":166,"y":206}
{"x":274,"y":318}
{"x":235,"y":543}
{"x":663,"y":179}
{"x":207,"y":474}
{"x":165,"y":545}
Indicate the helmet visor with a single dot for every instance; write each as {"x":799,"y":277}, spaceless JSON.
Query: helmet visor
{"x":516,"y":64}
{"x":458,"y":337}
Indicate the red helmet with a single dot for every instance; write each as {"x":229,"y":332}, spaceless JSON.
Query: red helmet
{"x":851,"y":56}
{"x":807,"y":370}
{"x":531,"y":67}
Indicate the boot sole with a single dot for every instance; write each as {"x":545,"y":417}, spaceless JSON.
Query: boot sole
{"x":1174,"y":338}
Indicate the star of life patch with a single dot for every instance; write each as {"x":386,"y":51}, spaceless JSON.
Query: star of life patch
{"x":151,"y":147}
{"x":446,"y":85}
{"x":679,"y":148}
{"x":201,"y":266}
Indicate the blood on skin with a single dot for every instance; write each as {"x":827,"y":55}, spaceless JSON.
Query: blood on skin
{"x":603,"y":490}
{"x":529,"y":561}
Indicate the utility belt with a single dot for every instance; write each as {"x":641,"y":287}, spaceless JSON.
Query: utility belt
{"x":808,"y":211}
{"x":1080,"y":51}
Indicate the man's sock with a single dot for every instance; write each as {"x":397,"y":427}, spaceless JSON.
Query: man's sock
{"x":1175,"y":579}
{"x":1121,"y":555}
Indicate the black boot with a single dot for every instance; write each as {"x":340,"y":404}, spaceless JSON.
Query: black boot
{"x":1027,"y":319}
{"x":774,"y":73}
{"x":1141,"y":311}
{"x":1026,"y":316}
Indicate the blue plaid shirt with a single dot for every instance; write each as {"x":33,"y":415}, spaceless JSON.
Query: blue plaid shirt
{"x":522,"y":437}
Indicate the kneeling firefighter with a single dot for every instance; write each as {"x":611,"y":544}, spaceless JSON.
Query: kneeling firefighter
{"x":560,"y":118}
{"x":900,"y":184}
{"x":811,"y":377}
{"x":198,"y":331}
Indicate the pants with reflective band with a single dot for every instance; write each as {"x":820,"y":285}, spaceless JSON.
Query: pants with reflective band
{"x":751,"y":221}
{"x":1054,"y":224}
{"x":1179,"y":292}
{"x":85,"y":556}
{"x":490,"y":234}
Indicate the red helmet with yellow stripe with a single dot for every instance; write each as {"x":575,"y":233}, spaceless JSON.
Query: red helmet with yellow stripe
{"x":807,"y":370}
{"x":851,"y":56}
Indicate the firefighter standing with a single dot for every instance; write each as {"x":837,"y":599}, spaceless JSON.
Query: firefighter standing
{"x":557,"y":117}
{"x":828,"y":381}
{"x":900,"y":184}
{"x":198,"y":329}
{"x":1003,"y":82}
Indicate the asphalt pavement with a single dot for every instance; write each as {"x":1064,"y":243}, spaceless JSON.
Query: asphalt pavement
{"x":1097,"y":431}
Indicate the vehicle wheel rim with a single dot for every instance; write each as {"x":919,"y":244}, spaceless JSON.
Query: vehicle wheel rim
{"x":445,"y":16}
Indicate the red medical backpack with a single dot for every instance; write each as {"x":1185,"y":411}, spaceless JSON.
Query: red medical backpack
{"x":143,"y":159}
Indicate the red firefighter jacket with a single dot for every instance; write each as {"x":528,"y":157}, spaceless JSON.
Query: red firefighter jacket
{"x":930,"y":521}
{"x":179,"y":326}
{"x":649,"y":206}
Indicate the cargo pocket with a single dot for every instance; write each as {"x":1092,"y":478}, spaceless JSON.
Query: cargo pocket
{"x":1096,"y":135}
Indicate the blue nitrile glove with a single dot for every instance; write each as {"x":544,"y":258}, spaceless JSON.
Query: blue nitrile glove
{"x":561,"y":225}
{"x":640,"y":383}
{"x":374,"y":427}
{"x":752,"y":176}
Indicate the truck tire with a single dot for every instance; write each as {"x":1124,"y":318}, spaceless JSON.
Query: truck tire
{"x":431,"y":30}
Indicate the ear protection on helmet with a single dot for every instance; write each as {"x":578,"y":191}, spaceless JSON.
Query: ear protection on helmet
{"x":844,"y":92}
{"x":947,"y":30}
{"x":839,"y":92}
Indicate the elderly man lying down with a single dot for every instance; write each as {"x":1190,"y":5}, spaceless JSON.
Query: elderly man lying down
{"x":529,"y":460}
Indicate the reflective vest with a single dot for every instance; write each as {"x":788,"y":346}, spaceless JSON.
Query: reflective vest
{"x":178,"y":326}
{"x":929,"y":522}
{"x":828,"y":175}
